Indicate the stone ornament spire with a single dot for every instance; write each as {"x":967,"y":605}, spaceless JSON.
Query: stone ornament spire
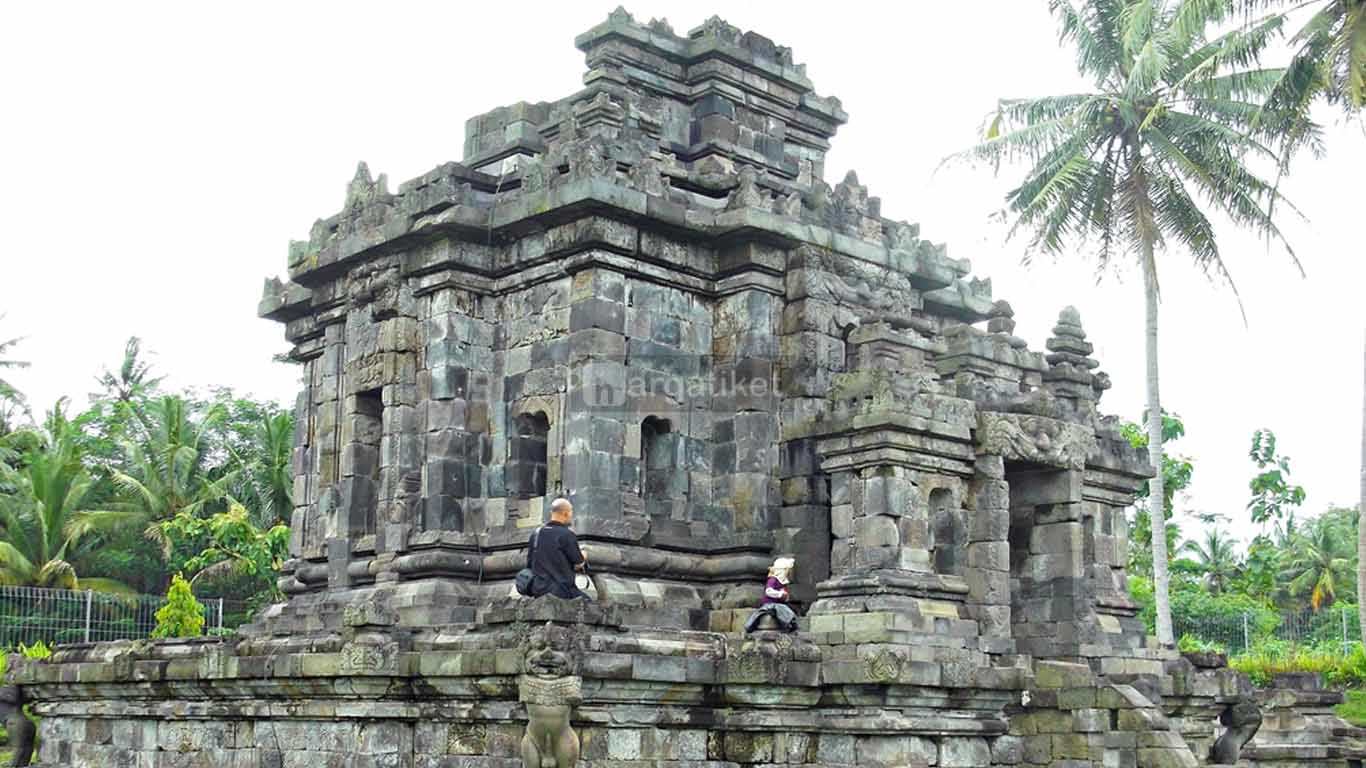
{"x":1072,"y":376}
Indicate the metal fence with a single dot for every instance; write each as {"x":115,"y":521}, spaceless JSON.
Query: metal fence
{"x":1239,"y":632}
{"x":30,"y":614}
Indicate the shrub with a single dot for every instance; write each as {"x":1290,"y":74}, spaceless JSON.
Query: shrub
{"x":38,"y":651}
{"x":1205,"y":616}
{"x":1273,"y":657}
{"x":182,"y":615}
{"x":1191,"y":644}
{"x":1353,"y":710}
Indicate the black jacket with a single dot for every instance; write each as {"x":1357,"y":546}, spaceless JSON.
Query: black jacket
{"x":552,"y":561}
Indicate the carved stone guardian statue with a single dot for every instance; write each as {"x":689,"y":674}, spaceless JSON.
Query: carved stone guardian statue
{"x":21,"y":730}
{"x":549,"y":689}
{"x":1241,"y":719}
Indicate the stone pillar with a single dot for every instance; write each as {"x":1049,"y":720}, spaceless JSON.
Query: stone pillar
{"x":594,"y":430}
{"x":335,"y":541}
{"x":454,"y":413}
{"x":746,"y":431}
{"x":988,"y":576}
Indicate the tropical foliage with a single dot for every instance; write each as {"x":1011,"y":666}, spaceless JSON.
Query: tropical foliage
{"x":145,"y":483}
{"x":1216,"y":557}
{"x":1274,"y":499}
{"x":229,"y":546}
{"x":1321,"y":559}
{"x":182,"y":615}
{"x":11,"y":400}
{"x":1136,"y":167}
{"x":50,"y":517}
{"x":1329,"y":60}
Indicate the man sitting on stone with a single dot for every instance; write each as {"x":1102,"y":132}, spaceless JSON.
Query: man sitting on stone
{"x":776,"y":595}
{"x":554,"y":555}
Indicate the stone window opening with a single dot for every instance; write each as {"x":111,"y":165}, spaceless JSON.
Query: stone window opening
{"x":527,"y":450}
{"x":944,"y":524}
{"x":363,"y":462}
{"x":850,"y":353}
{"x":659,"y":464}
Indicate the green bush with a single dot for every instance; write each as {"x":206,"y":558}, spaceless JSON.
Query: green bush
{"x":1272,"y":657}
{"x":182,"y":615}
{"x":1205,"y":616}
{"x":1191,"y":644}
{"x":38,"y":650}
{"x":1353,"y":710}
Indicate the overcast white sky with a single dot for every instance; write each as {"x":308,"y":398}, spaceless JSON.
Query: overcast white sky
{"x":159,"y":157}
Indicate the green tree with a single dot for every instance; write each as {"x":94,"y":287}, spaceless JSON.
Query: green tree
{"x":265,"y":471}
{"x":1329,"y":59}
{"x":254,"y":446}
{"x":47,"y":522}
{"x":229,"y":546}
{"x":1260,"y":577}
{"x":1274,"y":499}
{"x":182,"y":615}
{"x":166,"y":469}
{"x":1319,"y":561}
{"x":1172,"y":118}
{"x":12,"y":403}
{"x":1176,"y":477}
{"x":1217,"y":557}
{"x":133,"y":381}
{"x":1328,"y":63}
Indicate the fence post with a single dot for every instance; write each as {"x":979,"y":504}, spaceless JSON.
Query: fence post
{"x":1247,"y":641}
{"x":1344,"y":632}
{"x":89,"y":602}
{"x":220,"y":614}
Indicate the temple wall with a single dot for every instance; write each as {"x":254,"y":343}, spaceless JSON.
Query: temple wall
{"x":646,"y":298}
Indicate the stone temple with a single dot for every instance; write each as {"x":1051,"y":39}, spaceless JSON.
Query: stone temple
{"x":645,"y":297}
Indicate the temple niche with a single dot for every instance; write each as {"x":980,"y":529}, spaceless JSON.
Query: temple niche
{"x":646,"y":297}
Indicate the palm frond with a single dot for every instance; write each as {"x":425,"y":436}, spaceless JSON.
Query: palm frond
{"x":56,"y":573}
{"x":106,"y":586}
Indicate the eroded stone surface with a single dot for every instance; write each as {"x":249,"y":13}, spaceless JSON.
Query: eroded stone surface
{"x":646,"y":297}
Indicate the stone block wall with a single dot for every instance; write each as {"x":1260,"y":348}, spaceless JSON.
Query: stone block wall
{"x":646,"y":298}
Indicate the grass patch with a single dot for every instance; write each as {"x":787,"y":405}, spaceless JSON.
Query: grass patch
{"x":1353,"y":710}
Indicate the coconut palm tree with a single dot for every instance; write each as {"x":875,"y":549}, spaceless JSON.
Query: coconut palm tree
{"x":1328,"y":63}
{"x":1329,"y":59}
{"x":133,"y":380}
{"x":166,"y":466}
{"x":1217,"y":557}
{"x":262,"y":478}
{"x":1319,"y":562}
{"x":1173,"y":118}
{"x":11,"y":400}
{"x":48,"y":521}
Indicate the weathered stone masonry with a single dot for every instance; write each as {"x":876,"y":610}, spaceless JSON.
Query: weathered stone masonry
{"x":645,"y":297}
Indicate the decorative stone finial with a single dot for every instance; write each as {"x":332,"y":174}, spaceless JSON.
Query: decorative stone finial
{"x":1069,"y":340}
{"x":1069,"y":376}
{"x":363,"y":189}
{"x":718,"y":28}
{"x":1002,"y":318}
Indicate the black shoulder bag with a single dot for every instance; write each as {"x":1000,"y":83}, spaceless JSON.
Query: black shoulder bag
{"x":525,"y":576}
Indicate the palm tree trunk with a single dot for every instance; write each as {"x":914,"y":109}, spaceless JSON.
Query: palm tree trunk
{"x":1361,"y":517}
{"x":1156,"y":491}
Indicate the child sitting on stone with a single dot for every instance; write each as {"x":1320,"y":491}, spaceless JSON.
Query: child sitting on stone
{"x":776,"y":595}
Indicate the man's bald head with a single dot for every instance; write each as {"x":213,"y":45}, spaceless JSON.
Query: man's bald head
{"x":561,"y":511}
